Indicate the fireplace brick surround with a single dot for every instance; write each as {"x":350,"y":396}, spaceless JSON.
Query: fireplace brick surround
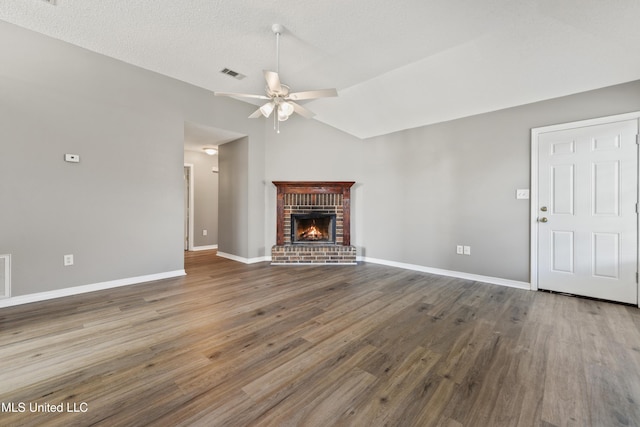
{"x":313,"y":197}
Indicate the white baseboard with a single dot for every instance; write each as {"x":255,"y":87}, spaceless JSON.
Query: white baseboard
{"x":450,"y":273}
{"x":317,"y":264}
{"x":59,"y":293}
{"x":243,"y":260}
{"x":76,"y":290}
{"x":204,"y":248}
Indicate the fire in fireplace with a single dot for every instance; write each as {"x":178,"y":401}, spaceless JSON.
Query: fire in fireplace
{"x":313,"y":228}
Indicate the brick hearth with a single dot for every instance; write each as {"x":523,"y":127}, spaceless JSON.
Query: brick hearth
{"x":307,"y":197}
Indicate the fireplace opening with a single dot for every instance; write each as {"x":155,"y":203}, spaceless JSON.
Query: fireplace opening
{"x":313,"y":228}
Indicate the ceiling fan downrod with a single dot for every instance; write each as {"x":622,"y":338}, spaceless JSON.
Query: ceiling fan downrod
{"x":277,"y":30}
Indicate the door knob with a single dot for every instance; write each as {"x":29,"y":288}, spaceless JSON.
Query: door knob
{"x":544,"y":219}
{"x":543,"y":209}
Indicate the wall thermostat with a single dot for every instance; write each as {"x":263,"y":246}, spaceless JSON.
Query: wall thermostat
{"x":73,"y":158}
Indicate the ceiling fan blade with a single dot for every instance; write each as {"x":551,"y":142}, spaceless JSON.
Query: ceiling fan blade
{"x":240,"y":95}
{"x":301,"y":110}
{"x":311,"y":94}
{"x":256,"y":114}
{"x":273,"y":81}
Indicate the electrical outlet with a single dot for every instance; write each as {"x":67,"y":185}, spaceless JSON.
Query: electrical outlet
{"x":204,"y":232}
{"x":68,"y":260}
{"x":522,"y":194}
{"x":467,"y":250}
{"x":459,"y":250}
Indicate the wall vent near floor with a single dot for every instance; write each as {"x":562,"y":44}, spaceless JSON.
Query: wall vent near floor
{"x":234,"y":74}
{"x":5,"y":276}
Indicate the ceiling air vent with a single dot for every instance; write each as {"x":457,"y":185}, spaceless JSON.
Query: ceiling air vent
{"x":229,"y":72}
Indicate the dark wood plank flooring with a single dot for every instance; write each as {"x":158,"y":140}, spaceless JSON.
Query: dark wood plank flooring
{"x":261,"y":345}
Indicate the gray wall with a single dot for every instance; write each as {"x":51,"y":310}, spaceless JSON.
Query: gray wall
{"x":255,"y":198}
{"x":242,"y":197}
{"x":205,"y":198}
{"x":454,"y":183}
{"x":120,"y":210}
{"x":233,"y":198}
{"x":421,"y":192}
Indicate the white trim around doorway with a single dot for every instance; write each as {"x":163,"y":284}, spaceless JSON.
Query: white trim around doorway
{"x":190,"y":166}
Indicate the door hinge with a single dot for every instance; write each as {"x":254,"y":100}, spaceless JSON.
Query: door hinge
{"x":636,"y":277}
{"x":638,"y":138}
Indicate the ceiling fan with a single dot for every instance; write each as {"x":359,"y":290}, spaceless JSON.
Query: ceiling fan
{"x":279,"y":96}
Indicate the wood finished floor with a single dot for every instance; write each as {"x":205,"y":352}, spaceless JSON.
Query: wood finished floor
{"x":248,"y":345}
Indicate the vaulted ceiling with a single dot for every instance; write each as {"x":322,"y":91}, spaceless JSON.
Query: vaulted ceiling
{"x":396,"y":64}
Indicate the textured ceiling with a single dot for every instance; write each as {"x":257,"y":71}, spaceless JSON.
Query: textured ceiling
{"x":396,"y":64}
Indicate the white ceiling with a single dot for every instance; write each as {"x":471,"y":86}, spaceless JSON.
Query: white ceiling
{"x":396,"y":64}
{"x":198,"y":137}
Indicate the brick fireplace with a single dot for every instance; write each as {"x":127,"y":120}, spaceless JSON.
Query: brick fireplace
{"x":313,"y":223}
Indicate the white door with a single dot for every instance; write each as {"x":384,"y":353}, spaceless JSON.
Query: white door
{"x":587,"y":220}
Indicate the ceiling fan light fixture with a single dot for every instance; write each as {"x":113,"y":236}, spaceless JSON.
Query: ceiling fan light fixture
{"x":282,"y":116}
{"x":286,"y":108}
{"x":267,"y":109}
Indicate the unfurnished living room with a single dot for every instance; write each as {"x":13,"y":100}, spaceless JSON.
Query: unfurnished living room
{"x":286,"y":213}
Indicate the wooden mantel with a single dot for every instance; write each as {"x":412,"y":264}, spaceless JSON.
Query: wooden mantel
{"x":314,"y":187}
